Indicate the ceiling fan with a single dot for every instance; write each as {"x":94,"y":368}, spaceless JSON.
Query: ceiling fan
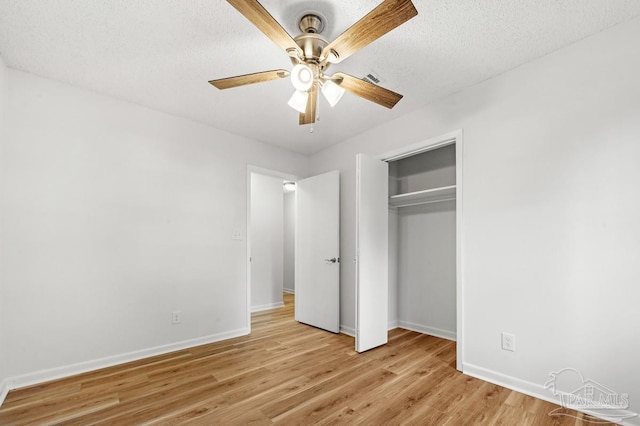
{"x":311,"y":55}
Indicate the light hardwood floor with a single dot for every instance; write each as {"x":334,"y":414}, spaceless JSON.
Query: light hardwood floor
{"x":283,"y":373}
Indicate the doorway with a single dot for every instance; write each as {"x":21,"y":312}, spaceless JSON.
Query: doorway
{"x":316,"y":258}
{"x":270,"y":227}
{"x":422,"y":241}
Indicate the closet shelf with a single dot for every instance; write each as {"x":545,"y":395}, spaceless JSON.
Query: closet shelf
{"x":426,"y":196}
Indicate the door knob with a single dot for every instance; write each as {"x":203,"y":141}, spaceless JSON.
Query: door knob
{"x":332,"y":260}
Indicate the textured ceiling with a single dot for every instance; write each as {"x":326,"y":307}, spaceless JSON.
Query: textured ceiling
{"x":161,"y":53}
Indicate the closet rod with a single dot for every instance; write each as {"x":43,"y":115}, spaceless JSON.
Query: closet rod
{"x":419,"y":203}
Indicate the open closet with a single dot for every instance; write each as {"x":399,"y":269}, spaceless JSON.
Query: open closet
{"x":409,"y":242}
{"x":422,"y":242}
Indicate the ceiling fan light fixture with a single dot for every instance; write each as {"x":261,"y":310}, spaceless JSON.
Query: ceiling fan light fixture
{"x":298,"y":101}
{"x":332,"y":92}
{"x":302,"y":77}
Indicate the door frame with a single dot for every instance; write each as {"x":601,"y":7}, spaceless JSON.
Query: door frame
{"x":266,"y":172}
{"x":452,"y":138}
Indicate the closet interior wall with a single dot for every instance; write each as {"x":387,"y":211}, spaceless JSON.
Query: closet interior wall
{"x":422,"y":242}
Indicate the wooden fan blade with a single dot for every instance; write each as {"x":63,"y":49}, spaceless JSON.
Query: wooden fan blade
{"x":241,"y":80}
{"x":384,"y":18}
{"x":368,"y":91}
{"x":309,"y":116}
{"x":258,"y":15}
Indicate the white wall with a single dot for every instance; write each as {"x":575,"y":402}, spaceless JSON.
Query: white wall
{"x":113,"y":217}
{"x":551,"y":236}
{"x":289,"y":241}
{"x":427,"y":268}
{"x":3,"y":138}
{"x":267,"y":242}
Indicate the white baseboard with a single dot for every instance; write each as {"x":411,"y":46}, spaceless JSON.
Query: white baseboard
{"x":289,"y":290}
{"x":4,"y":390}
{"x":513,"y":383}
{"x":393,"y":324}
{"x":266,"y":307}
{"x":528,"y":388}
{"x":83,"y":367}
{"x":349,"y":331}
{"x":432,"y":331}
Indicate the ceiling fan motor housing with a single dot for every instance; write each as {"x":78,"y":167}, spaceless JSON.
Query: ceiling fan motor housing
{"x":311,"y":45}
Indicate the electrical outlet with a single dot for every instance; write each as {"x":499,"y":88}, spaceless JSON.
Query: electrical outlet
{"x":176,"y":317}
{"x":508,"y":342}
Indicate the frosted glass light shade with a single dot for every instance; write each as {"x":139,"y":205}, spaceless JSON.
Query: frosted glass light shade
{"x":298,"y":101}
{"x":332,"y":92}
{"x":302,"y":77}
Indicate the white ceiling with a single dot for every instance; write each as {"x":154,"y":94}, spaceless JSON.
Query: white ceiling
{"x":161,"y":53}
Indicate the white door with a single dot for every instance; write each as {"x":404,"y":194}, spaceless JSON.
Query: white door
{"x":372,"y":235}
{"x":317,"y":257}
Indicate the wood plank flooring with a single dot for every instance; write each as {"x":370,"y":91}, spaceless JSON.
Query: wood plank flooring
{"x":283,"y":373}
